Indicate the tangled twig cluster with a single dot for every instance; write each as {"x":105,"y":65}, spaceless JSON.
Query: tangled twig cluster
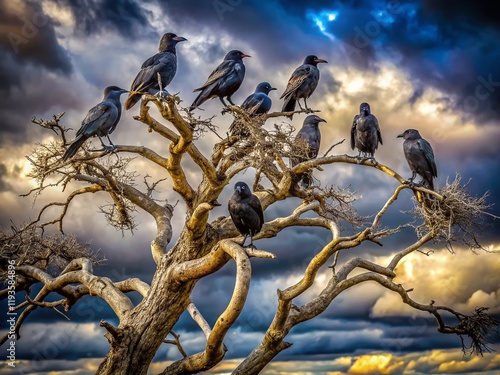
{"x":457,"y":217}
{"x":50,"y":253}
{"x":480,"y":327}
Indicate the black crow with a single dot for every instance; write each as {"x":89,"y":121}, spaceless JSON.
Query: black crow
{"x":164,"y":64}
{"x":420,"y":157}
{"x":246,"y":211}
{"x":256,"y":104}
{"x":223,"y":81}
{"x":100,"y":121}
{"x":301,"y":84}
{"x":307,"y":142}
{"x":365,"y":132}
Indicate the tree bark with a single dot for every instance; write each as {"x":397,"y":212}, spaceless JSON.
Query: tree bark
{"x":150,"y":322}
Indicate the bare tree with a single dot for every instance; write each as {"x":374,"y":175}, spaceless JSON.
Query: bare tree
{"x":204,"y":247}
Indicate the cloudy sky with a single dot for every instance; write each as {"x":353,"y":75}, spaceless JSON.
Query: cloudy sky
{"x":427,"y":65}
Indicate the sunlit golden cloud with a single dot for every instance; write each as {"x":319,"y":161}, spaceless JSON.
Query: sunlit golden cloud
{"x":376,"y":364}
{"x":445,"y":278}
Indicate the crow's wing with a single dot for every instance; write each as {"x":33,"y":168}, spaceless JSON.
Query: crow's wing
{"x":426,"y":149}
{"x":353,"y":131}
{"x":223,"y":70}
{"x":102,"y":114}
{"x":298,"y":76}
{"x":379,"y":135}
{"x":147,"y":76}
{"x":254,"y":202}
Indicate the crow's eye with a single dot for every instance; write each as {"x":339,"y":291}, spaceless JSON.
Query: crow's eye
{"x":243,"y":188}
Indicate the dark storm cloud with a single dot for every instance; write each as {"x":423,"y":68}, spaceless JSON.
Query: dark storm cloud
{"x":268,"y":27}
{"x":18,"y":108}
{"x":471,"y":16}
{"x":126,"y":17}
{"x":29,"y":50}
{"x":61,"y":340}
{"x":348,"y":336}
{"x":452,"y":48}
{"x":28,"y":37}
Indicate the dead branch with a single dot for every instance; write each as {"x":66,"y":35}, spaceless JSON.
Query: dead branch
{"x":100,"y":286}
{"x":199,"y":319}
{"x":170,"y":113}
{"x":53,"y":125}
{"x":27,"y":246}
{"x":198,"y":221}
{"x":332,"y":147}
{"x":479,"y":326}
{"x":210,"y":263}
{"x":177,"y":342}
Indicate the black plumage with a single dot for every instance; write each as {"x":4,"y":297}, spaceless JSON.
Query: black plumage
{"x":101,"y":120}
{"x":255,"y":104}
{"x":306,"y":146}
{"x":301,"y":84}
{"x":420,"y":157}
{"x":164,"y":64}
{"x":223,"y":81}
{"x":365,"y":132}
{"x":246,"y":211}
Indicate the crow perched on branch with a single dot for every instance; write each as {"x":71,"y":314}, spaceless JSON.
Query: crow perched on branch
{"x":420,"y":157}
{"x":365,"y":132}
{"x":307,"y":142}
{"x":100,"y":121}
{"x":223,"y":81}
{"x":159,"y":68}
{"x":256,"y":104}
{"x":301,"y":84}
{"x":246,"y":212}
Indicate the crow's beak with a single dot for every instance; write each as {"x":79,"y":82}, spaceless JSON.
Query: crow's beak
{"x":317,"y":61}
{"x":321,"y":119}
{"x":243,"y":55}
{"x":238,"y":189}
{"x":401,"y":135}
{"x":179,"y":39}
{"x":273,"y":88}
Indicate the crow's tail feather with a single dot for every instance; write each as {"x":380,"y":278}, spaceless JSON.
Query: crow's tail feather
{"x":73,"y":147}
{"x":289,"y":105}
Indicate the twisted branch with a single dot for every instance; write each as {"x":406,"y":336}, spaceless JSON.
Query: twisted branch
{"x":215,"y":349}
